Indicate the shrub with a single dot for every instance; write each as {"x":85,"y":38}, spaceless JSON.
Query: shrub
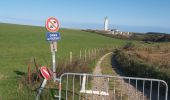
{"x":133,"y":66}
{"x":128,"y":46}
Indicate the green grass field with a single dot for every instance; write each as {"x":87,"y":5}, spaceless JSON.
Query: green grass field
{"x":20,"y":43}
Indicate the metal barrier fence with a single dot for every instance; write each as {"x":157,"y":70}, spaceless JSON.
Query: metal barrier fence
{"x":77,"y":86}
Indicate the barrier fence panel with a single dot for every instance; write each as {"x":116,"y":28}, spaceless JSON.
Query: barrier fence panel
{"x":79,"y":86}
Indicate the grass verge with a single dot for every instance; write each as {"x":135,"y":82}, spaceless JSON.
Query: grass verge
{"x":114,"y":84}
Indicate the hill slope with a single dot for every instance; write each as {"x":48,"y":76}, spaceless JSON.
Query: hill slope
{"x":20,"y":43}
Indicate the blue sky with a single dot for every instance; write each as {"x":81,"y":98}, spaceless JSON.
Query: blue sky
{"x":126,"y":15}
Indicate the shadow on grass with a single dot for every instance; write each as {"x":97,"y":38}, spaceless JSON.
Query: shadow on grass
{"x":19,"y":73}
{"x":49,"y":94}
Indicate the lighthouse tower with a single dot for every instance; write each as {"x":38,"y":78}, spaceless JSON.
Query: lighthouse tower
{"x":106,"y":24}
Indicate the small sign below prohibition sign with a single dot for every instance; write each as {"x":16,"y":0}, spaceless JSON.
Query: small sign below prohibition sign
{"x":52,"y":24}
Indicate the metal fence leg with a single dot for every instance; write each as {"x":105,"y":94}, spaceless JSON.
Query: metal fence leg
{"x":41,"y":88}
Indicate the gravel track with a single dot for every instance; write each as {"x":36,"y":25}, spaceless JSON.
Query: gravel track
{"x":102,"y":84}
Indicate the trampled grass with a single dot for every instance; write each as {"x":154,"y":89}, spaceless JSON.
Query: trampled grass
{"x":19,"y":44}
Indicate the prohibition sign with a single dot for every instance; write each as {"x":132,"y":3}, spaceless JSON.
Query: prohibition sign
{"x":45,"y":72}
{"x":52,"y":24}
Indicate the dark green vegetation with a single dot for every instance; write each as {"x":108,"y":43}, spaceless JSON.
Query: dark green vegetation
{"x":148,"y":61}
{"x":19,"y":44}
{"x":151,"y":37}
{"x":147,"y":37}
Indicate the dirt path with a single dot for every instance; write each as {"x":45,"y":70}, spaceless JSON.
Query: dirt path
{"x":102,"y":84}
{"x":99,"y":83}
{"x":97,"y":69}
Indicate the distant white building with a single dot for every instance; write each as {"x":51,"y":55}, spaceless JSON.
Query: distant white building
{"x":118,"y":32}
{"x":106,"y":24}
{"x":113,"y":31}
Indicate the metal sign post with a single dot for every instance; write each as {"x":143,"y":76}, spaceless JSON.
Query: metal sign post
{"x":53,"y":36}
{"x":53,"y":50}
{"x":52,"y":25}
{"x":41,"y":88}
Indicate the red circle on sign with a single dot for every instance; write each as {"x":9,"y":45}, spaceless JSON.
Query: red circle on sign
{"x":45,"y":72}
{"x":52,"y":24}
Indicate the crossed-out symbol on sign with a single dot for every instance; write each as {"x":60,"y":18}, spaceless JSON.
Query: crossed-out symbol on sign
{"x":52,"y":24}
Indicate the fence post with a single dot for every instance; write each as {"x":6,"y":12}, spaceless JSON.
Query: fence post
{"x":95,"y":52}
{"x":89,"y":54}
{"x":80,"y":54}
{"x":99,"y":50}
{"x":29,"y":74}
{"x":92,"y":51}
{"x":71,"y":57}
{"x":85,"y":55}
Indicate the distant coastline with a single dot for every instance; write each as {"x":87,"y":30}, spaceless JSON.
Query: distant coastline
{"x":125,"y":28}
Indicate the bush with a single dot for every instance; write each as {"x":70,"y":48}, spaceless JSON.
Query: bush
{"x":128,"y":46}
{"x":135,"y":67}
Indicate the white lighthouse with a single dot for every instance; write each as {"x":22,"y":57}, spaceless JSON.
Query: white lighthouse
{"x":106,"y":24}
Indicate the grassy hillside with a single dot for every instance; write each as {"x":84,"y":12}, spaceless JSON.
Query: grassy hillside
{"x":18,"y":44}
